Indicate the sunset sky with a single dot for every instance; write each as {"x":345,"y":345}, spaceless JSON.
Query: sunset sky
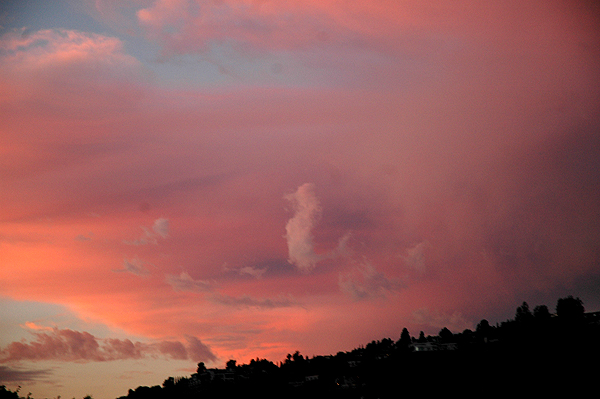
{"x":204,"y":180}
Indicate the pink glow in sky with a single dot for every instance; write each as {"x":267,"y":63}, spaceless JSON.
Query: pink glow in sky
{"x":186,"y":181}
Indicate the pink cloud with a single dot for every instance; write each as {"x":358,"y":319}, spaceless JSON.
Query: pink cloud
{"x":59,"y":344}
{"x":299,"y":228}
{"x":174,"y":349}
{"x":60,"y":75}
{"x":465,"y":169}
{"x":70,"y":345}
{"x":198,"y":351}
{"x":78,"y":63}
{"x":124,"y":349}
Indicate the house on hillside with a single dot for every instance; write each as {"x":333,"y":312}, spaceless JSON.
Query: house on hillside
{"x":423,"y":347}
{"x":433,"y":346}
{"x":210,"y":375}
{"x":592,"y":317}
{"x":345,"y":382}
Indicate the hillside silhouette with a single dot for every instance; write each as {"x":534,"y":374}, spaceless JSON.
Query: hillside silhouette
{"x":536,"y":353}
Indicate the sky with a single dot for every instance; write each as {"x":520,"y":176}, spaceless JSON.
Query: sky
{"x":187,"y":181}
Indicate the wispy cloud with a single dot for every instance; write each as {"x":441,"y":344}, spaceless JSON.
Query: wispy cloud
{"x":17,"y":374}
{"x":415,"y":257}
{"x":248,"y":301}
{"x":53,"y":47}
{"x":252,"y":271}
{"x":247,"y":270}
{"x":185,"y":282}
{"x":364,"y":281}
{"x":82,"y":237}
{"x":160,"y":229}
{"x":33,"y":326}
{"x":133,"y":266}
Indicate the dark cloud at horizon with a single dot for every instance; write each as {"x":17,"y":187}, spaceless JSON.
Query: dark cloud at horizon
{"x":18,"y":374}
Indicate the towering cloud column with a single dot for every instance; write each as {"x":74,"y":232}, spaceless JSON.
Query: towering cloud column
{"x":307,"y":212}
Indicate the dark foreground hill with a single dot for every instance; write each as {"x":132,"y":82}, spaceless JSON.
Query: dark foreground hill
{"x":535,"y":354}
{"x":486,"y":373}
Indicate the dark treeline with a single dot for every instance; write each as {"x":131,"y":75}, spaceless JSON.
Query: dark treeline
{"x":536,"y":353}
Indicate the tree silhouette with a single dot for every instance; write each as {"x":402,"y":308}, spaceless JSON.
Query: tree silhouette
{"x":201,"y":368}
{"x":445,"y":335}
{"x":405,"y":340}
{"x":297,"y":357}
{"x":169,"y":383}
{"x":483,"y":330}
{"x":405,"y":336}
{"x":570,"y":309}
{"x":7,"y":393}
{"x":541,"y":313}
{"x":231,"y":365}
{"x":523,"y":315}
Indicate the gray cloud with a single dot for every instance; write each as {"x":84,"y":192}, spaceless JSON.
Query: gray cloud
{"x":252,"y":271}
{"x":13,"y":374}
{"x":247,"y":270}
{"x":184,"y":282}
{"x":364,"y":281}
{"x":160,"y":229}
{"x":82,"y":237}
{"x":134,"y":266}
{"x":415,"y":257}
